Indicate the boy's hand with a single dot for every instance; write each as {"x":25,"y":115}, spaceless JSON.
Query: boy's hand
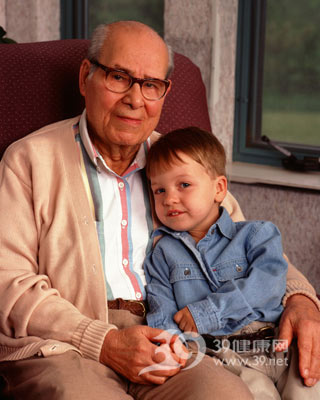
{"x":185,"y":321}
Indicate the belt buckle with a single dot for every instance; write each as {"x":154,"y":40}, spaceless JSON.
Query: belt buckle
{"x":267,"y":328}
{"x":144,"y":311}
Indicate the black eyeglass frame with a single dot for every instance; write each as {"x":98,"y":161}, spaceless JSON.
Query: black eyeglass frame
{"x":134,"y":80}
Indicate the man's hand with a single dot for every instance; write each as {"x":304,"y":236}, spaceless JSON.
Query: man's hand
{"x":129,"y":351}
{"x":185,"y":321}
{"x":301,"y":319}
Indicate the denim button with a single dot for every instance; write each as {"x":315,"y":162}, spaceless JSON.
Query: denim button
{"x":238,"y":268}
{"x":187,"y":271}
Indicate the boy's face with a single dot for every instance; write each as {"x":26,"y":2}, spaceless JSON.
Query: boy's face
{"x":187,"y":197}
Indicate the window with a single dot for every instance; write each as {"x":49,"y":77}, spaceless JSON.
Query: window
{"x":149,"y":12}
{"x":80,"y":17}
{"x":277,"y":80}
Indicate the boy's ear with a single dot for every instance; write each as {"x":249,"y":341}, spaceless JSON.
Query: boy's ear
{"x":221,"y":186}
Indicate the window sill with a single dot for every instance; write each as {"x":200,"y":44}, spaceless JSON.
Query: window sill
{"x":254,"y":173}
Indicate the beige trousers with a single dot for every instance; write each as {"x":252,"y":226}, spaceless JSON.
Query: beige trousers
{"x":228,"y":375}
{"x":72,"y":377}
{"x":268,"y":375}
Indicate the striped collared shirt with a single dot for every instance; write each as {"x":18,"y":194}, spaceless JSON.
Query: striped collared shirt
{"x":121,"y":208}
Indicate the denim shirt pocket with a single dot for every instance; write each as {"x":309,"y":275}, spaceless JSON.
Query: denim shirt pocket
{"x":189,"y":284}
{"x":231,"y":269}
{"x":185,"y":272}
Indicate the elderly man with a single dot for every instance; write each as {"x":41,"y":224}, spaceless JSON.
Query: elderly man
{"x":74,"y":233}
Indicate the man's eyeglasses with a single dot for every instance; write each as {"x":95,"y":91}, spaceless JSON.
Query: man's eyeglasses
{"x":119,"y":81}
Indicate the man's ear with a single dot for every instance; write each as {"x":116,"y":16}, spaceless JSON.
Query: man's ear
{"x":221,"y":186}
{"x":83,"y":75}
{"x":169,"y":87}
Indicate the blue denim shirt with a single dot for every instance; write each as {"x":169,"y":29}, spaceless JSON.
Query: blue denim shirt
{"x":235,"y":275}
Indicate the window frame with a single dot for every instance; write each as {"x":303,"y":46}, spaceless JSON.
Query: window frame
{"x":247,"y":145}
{"x":74,"y":19}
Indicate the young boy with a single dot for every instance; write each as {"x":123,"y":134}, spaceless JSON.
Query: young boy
{"x":208,"y":274}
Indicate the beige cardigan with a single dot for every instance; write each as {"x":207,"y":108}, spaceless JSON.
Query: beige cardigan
{"x":52,"y":288}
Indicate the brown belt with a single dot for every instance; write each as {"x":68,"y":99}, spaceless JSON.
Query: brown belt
{"x":136,"y":307}
{"x":215,"y":343}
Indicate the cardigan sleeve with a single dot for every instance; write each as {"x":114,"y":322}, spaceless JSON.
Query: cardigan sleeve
{"x":296,"y":281}
{"x":31,"y":304}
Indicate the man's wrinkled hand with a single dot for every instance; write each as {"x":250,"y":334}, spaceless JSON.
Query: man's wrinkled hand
{"x":140,"y":348}
{"x":301,"y":319}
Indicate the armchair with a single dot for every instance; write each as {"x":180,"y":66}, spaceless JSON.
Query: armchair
{"x":39,"y":86}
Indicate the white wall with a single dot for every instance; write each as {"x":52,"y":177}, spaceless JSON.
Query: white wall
{"x":205,"y":31}
{"x":31,"y":20}
{"x":2,"y":13}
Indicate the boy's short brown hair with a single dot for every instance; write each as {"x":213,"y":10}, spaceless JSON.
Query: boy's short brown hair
{"x":200,"y":145}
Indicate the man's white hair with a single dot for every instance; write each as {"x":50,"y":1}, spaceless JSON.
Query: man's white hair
{"x":100,"y":34}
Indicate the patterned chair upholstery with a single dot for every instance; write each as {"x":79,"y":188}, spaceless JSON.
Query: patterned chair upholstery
{"x":39,"y":86}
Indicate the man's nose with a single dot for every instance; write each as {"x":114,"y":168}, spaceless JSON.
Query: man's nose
{"x":134,"y":97}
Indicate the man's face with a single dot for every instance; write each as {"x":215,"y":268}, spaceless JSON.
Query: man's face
{"x":124,"y":119}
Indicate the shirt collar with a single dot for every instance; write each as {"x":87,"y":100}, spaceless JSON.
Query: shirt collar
{"x":139,"y":161}
{"x":224,"y":224}
{"x":85,"y":138}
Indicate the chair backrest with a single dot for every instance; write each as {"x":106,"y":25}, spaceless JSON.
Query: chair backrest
{"x":39,"y":86}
